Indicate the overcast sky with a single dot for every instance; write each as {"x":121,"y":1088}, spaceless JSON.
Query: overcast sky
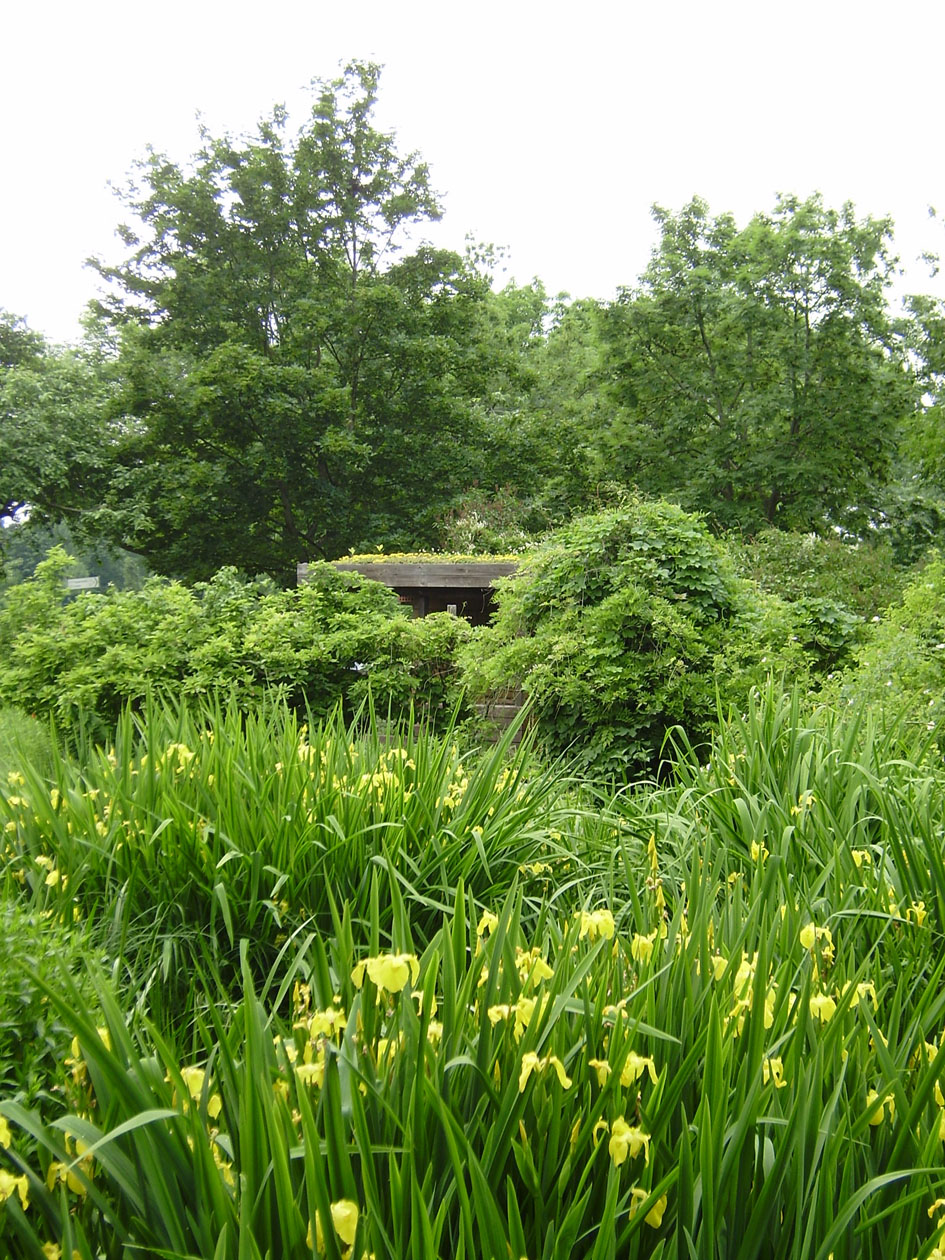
{"x":548,"y":130}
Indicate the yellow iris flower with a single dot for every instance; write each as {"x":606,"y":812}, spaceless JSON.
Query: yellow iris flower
{"x":627,"y":1141}
{"x":634,"y":1067}
{"x":327,"y":1023}
{"x":388,"y":971}
{"x":602,"y":1068}
{"x":773,"y":1070}
{"x":193,"y":1078}
{"x":596,"y":923}
{"x":822,"y":1007}
{"x":10,"y":1185}
{"x":641,"y":947}
{"x":879,"y":1114}
{"x":532,"y":1063}
{"x":311,"y":1073}
{"x":487,"y":923}
{"x":344,"y":1218}
{"x":654,"y":1217}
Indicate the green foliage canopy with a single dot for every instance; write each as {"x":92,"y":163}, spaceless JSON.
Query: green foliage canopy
{"x":757,"y":374}
{"x":292,"y":383}
{"x":54,"y":441}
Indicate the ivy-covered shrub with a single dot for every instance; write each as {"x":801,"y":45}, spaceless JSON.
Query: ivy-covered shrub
{"x":83,"y":659}
{"x":625,"y":624}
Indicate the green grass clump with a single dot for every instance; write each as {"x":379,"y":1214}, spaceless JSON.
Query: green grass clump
{"x":35,"y":951}
{"x":703,"y":1019}
{"x":198,"y":829}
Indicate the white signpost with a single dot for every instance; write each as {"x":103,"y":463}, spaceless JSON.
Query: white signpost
{"x":82,"y":584}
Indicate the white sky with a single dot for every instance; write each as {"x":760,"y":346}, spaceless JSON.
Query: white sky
{"x":549,"y":129}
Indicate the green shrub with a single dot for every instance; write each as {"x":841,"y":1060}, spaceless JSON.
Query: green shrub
{"x":826,"y":630}
{"x":23,"y":739}
{"x":623,"y":625}
{"x":833,"y":587}
{"x":900,"y":669}
{"x":83,"y":659}
{"x":483,"y":523}
{"x":862,"y":577}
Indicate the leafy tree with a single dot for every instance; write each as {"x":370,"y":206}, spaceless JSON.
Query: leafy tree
{"x":21,"y":350}
{"x":54,"y":441}
{"x":293,"y":385}
{"x":27,"y":544}
{"x":911,"y":511}
{"x":19,"y":344}
{"x":573,"y":404}
{"x":757,"y":374}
